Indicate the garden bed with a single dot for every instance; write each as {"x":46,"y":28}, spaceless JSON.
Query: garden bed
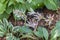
{"x":29,"y":19}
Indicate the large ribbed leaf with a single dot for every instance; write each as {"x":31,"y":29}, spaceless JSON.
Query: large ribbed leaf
{"x":50,"y":4}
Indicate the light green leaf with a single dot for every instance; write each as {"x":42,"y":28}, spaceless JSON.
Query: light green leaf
{"x":2,"y":8}
{"x":21,"y":1}
{"x":10,"y":2}
{"x":5,"y":22}
{"x":50,"y":4}
{"x":57,"y":26}
{"x":1,"y":1}
{"x":45,"y":34}
{"x":29,"y":1}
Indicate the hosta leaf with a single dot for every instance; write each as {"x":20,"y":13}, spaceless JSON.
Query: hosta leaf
{"x":39,"y":29}
{"x":25,"y":30}
{"x":55,"y":31}
{"x":55,"y":34}
{"x":50,"y":4}
{"x":57,"y":2}
{"x":57,"y":26}
{"x":45,"y":34}
{"x":2,"y":8}
{"x":34,"y":4}
{"x":38,"y":34}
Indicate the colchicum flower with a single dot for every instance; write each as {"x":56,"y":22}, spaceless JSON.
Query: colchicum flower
{"x":32,"y":23}
{"x":18,"y":14}
{"x":36,"y":15}
{"x":49,"y":19}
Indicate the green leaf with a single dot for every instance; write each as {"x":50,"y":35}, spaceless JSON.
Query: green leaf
{"x":55,"y":34}
{"x":29,"y":1}
{"x":2,"y":8}
{"x":9,"y":10}
{"x":2,"y":28}
{"x":16,"y":29}
{"x":10,"y":27}
{"x":55,"y":31}
{"x":25,"y":30}
{"x":50,"y":4}
{"x":4,"y":15}
{"x":21,"y":1}
{"x":5,"y":22}
{"x":57,"y":2}
{"x":39,"y":32}
{"x":45,"y":34}
{"x":1,"y":34}
{"x":57,"y":26}
{"x":10,"y":2}
{"x":10,"y":36}
{"x":1,"y":1}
